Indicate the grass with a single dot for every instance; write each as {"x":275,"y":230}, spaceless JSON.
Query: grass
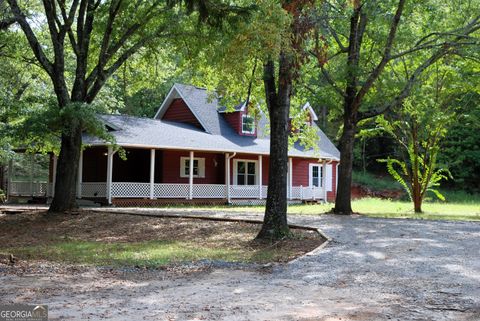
{"x":465,"y":208}
{"x":375,"y":183}
{"x":147,"y":253}
{"x":125,"y":240}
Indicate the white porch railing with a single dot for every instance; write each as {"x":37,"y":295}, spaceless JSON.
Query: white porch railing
{"x":28,"y":188}
{"x":96,"y":189}
{"x":142,"y":190}
{"x":163,"y":190}
{"x":129,"y":190}
{"x":307,"y":193}
{"x":171,"y":190}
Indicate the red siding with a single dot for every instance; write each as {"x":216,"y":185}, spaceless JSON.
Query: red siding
{"x":235,"y":120}
{"x":301,"y":175}
{"x":179,"y":111}
{"x":331,"y":195}
{"x":213,"y":174}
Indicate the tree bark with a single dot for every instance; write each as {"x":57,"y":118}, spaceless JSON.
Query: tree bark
{"x":67,"y":168}
{"x":343,"y":198}
{"x":275,"y":224}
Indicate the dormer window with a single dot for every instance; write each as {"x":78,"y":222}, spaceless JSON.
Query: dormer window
{"x":248,"y":124}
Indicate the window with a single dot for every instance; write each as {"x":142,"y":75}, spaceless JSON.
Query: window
{"x":198,"y":167}
{"x":245,"y":172}
{"x":248,"y":124}
{"x":316,"y":172}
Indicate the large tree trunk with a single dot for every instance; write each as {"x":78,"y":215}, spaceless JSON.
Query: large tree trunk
{"x":67,"y":169}
{"x":343,"y":199}
{"x":275,"y":220}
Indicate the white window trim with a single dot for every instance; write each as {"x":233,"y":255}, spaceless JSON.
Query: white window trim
{"x":253,"y":129}
{"x":201,"y":167}
{"x":310,"y":176}
{"x":235,"y":166}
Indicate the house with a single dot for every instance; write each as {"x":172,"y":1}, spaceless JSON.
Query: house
{"x":194,"y":150}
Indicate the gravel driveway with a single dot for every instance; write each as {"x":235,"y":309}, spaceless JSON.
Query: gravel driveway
{"x":374,"y":269}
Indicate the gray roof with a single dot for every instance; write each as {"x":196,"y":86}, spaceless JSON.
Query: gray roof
{"x":218,"y":135}
{"x":238,"y":107}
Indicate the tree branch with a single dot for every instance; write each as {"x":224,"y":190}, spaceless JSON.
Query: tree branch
{"x":408,"y":86}
{"x":31,"y":38}
{"x":332,"y":82}
{"x":386,"y":54}
{"x":7,"y":22}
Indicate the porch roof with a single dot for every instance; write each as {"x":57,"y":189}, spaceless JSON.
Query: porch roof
{"x":139,"y":132}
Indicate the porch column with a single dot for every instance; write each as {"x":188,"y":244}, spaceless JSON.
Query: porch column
{"x":9,"y":179}
{"x":227,"y":176}
{"x":54,"y":178}
{"x":190,"y":177}
{"x":80,"y":175}
{"x":324,"y":180}
{"x":32,"y":164}
{"x":290,"y":177}
{"x":260,"y":176}
{"x":152,"y":173}
{"x":109,"y":174}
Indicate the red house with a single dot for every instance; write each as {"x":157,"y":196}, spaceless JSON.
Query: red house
{"x":196,"y":150}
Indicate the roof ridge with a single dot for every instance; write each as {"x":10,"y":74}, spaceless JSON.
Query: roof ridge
{"x":196,"y":87}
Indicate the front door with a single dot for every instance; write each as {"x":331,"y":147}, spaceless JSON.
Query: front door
{"x":315,"y":175}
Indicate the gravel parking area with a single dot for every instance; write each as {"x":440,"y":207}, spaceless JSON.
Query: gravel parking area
{"x":373,"y":269}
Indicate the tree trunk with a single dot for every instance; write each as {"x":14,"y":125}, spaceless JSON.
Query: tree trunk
{"x":343,"y":199}
{"x":417,"y":204}
{"x":275,"y":220}
{"x":67,"y":169}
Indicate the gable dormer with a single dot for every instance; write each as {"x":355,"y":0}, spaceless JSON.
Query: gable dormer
{"x":308,"y":113}
{"x":240,"y":119}
{"x":175,"y":108}
{"x":178,"y":111}
{"x":311,"y":115}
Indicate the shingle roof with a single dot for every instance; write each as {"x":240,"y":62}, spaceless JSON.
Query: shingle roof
{"x":218,"y":135}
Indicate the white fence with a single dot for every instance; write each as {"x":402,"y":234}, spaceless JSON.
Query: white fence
{"x":28,"y":188}
{"x":94,"y":189}
{"x":142,"y":190}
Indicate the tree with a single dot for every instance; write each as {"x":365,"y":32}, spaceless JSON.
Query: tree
{"x":382,"y":39}
{"x":88,"y":41}
{"x":419,"y":129}
{"x":459,"y":150}
{"x":278,"y":92}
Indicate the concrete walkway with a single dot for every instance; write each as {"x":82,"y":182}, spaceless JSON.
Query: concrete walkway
{"x":373,"y":269}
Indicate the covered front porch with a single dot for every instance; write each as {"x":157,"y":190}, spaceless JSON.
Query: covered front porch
{"x":172,"y":175}
{"x":181,"y":175}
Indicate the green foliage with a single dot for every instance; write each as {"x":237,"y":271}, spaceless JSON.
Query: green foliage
{"x":373,"y":182}
{"x":419,"y":129}
{"x":429,"y":180}
{"x":41,"y":130}
{"x":460,"y":150}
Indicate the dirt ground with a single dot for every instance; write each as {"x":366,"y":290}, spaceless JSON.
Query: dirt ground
{"x":35,"y":229}
{"x":374,"y":269}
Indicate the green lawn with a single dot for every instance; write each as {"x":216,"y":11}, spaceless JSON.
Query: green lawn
{"x":146,"y":253}
{"x":467,"y":210}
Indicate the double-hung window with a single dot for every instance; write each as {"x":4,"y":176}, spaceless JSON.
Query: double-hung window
{"x":248,"y":124}
{"x":198,"y":167}
{"x":246,"y":172}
